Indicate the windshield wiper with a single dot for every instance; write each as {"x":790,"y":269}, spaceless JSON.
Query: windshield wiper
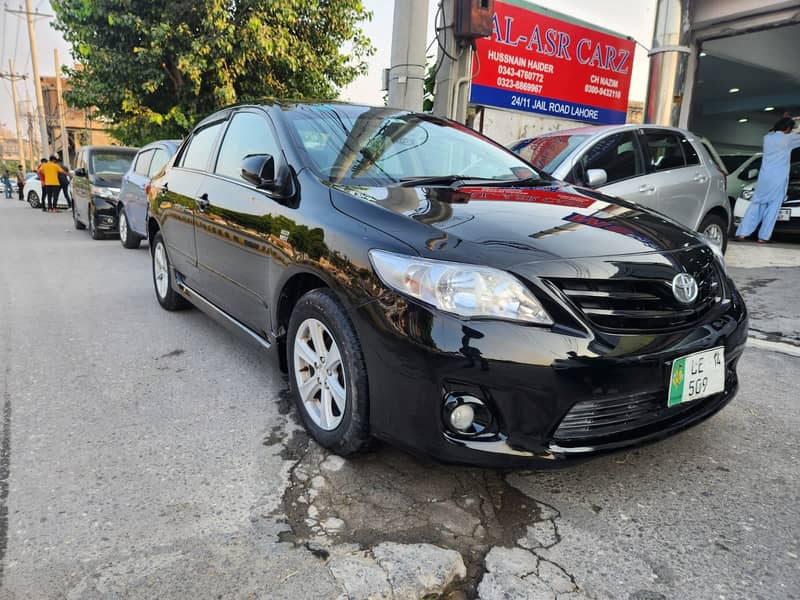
{"x":527,"y":182}
{"x":441,"y":180}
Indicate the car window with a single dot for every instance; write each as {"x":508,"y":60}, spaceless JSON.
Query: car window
{"x":110,"y":162}
{"x":248,"y":133}
{"x":756,"y":164}
{"x":198,"y":152}
{"x":618,"y":155}
{"x":142,"y":163}
{"x":547,"y":153}
{"x":733,"y":161}
{"x":665,"y":150}
{"x":689,"y":152}
{"x":160,"y":158}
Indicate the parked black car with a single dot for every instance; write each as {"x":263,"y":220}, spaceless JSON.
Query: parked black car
{"x":95,"y":187}
{"x":132,"y":206}
{"x":424,"y":285}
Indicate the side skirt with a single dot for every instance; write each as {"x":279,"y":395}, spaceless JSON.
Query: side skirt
{"x":223,"y":318}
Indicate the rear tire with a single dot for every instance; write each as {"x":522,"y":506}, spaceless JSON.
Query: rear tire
{"x":127,"y":237}
{"x":332,"y":376}
{"x":167,"y":297}
{"x":34,"y":200}
{"x":716,"y":230}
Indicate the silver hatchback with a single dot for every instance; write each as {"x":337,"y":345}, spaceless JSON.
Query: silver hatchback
{"x":663,"y":168}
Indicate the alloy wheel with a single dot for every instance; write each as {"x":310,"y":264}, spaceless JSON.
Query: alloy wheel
{"x":714,"y":234}
{"x":319,"y":373}
{"x":161,"y":270}
{"x":123,"y":227}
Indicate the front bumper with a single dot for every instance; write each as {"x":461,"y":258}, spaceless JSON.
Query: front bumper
{"x":791,"y":226}
{"x":105,"y":214}
{"x":530,"y":378}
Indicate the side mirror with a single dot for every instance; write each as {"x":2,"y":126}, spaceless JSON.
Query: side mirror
{"x":259,"y":169}
{"x":80,"y":172}
{"x":752,"y":174}
{"x":596,"y":177}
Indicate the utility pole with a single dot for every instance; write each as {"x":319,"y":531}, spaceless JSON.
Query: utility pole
{"x":29,"y":16}
{"x":455,"y":71}
{"x":60,"y":108}
{"x":407,"y":72}
{"x":13,"y":79}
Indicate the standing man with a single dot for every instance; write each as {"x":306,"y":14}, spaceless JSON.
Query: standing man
{"x":20,"y":181}
{"x":63,"y":181}
{"x":773,"y":180}
{"x":50,"y":170}
{"x":40,"y":173}
{"x":7,"y":184}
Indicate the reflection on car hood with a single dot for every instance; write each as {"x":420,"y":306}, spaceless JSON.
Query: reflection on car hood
{"x":108,"y":180}
{"x":506,"y":226}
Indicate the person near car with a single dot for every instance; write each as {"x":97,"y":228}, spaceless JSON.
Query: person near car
{"x":51,"y":185}
{"x":7,"y":184}
{"x":63,"y":181}
{"x":773,"y":181}
{"x":20,"y":181}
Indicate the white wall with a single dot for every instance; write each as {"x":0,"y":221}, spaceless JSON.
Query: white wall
{"x":707,"y":13}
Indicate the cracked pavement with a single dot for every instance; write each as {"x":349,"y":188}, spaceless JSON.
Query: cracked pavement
{"x":147,"y":454}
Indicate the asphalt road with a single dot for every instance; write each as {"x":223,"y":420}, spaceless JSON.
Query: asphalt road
{"x":146,"y":454}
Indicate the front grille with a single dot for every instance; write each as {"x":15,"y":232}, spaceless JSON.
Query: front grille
{"x":643,"y":304}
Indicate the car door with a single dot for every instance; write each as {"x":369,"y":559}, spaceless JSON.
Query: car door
{"x":81,"y":187}
{"x":176,"y":197}
{"x":141,"y":206}
{"x":620,"y":156}
{"x":680,"y":178}
{"x":234,"y":225}
{"x":132,"y":191}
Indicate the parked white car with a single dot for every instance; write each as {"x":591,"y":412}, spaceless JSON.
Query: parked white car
{"x":32,"y":192}
{"x":742,"y":173}
{"x":789,"y":214}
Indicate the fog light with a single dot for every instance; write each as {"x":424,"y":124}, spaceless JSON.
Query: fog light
{"x":462,"y":417}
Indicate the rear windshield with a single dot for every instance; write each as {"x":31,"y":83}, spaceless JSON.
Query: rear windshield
{"x":547,"y":153}
{"x":111,"y":162}
{"x":734,"y":161}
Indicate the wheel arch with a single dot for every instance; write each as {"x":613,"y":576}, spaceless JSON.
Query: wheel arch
{"x":152,"y":229}
{"x":291,"y":291}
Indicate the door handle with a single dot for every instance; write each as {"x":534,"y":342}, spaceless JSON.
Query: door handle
{"x":647,"y":189}
{"x":700,"y":178}
{"x":202,"y":202}
{"x":164,"y":190}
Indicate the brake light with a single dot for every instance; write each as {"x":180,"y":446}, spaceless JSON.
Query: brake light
{"x":147,"y":189}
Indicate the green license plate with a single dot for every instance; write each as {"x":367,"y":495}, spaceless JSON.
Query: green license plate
{"x":697,"y":376}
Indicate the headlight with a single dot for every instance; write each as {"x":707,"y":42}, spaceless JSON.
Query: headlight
{"x":103,"y":192}
{"x":747,"y":193}
{"x":460,"y":289}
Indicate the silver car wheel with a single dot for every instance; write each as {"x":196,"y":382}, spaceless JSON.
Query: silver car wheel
{"x":161,"y":270}
{"x":123,"y":227}
{"x":319,"y":373}
{"x":714,"y":234}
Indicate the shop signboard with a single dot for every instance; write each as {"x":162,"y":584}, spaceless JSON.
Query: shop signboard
{"x":537,"y":62}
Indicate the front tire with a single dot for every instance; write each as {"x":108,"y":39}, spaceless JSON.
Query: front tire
{"x":34,"y":200}
{"x":127,"y":236}
{"x":716,"y":230}
{"x":167,"y":297}
{"x":95,"y":233}
{"x":327,"y":373}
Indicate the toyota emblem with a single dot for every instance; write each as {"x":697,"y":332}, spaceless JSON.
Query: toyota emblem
{"x":684,"y":288}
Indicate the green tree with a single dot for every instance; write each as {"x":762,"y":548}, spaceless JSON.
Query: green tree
{"x":154,"y":67}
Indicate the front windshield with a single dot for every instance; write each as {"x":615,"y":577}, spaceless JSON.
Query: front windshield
{"x":357,"y":145}
{"x":111,"y":163}
{"x":546,"y":153}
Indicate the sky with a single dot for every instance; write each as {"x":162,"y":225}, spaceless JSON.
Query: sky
{"x":628,"y":17}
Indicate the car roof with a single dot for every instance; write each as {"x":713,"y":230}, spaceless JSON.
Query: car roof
{"x":109,"y":148}
{"x":595,"y":130}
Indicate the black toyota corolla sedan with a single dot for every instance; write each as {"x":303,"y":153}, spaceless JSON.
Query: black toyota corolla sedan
{"x":421,"y":284}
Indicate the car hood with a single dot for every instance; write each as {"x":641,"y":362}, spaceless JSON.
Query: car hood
{"x":107,"y":180}
{"x":507,"y":226}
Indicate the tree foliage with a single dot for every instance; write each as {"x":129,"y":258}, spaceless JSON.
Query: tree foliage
{"x":154,"y":67}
